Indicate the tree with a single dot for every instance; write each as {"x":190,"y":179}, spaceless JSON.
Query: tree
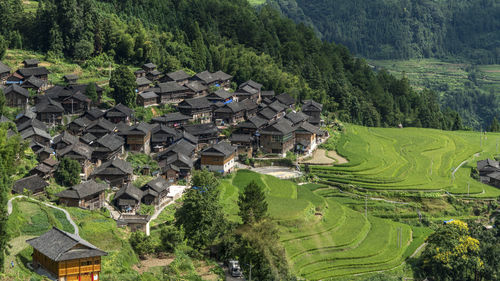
{"x":91,"y":92}
{"x":83,"y":50}
{"x":3,"y":101}
{"x":170,"y":237}
{"x":3,"y":47}
{"x":495,"y":126}
{"x":11,"y":151}
{"x":142,"y":244}
{"x":452,"y":254}
{"x":68,"y":172}
{"x":201,"y":215}
{"x":123,"y":84}
{"x":252,"y":203}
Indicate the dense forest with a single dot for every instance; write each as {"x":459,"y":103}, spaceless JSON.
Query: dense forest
{"x":228,"y":35}
{"x":383,"y":29}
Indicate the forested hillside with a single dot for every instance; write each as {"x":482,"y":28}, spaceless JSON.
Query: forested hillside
{"x":227,"y":35}
{"x":384,"y":29}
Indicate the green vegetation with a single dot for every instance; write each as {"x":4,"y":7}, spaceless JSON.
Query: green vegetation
{"x":404,"y":29}
{"x":123,"y":83}
{"x":411,"y":160}
{"x":323,"y":238}
{"x":68,"y":172}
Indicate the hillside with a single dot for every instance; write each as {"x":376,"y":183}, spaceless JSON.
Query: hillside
{"x":385,"y":29}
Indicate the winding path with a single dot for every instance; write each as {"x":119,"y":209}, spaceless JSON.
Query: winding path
{"x":68,"y":217}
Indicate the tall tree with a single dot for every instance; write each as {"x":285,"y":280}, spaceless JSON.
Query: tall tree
{"x":201,"y":214}
{"x":68,"y":172}
{"x":252,"y":203}
{"x":495,"y":126}
{"x":2,"y":103}
{"x":91,"y":92}
{"x":123,"y":84}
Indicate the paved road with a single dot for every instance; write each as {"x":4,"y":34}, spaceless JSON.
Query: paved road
{"x":68,"y":217}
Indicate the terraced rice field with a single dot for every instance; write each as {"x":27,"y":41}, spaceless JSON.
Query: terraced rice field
{"x":412,"y":159}
{"x":323,"y":238}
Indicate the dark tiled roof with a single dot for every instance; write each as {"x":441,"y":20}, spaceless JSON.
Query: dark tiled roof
{"x":171,"y":117}
{"x":88,"y":138}
{"x":267,"y":94}
{"x":232,"y":107}
{"x":65,"y":137}
{"x":308,"y":127}
{"x":69,"y":77}
{"x":82,"y":122}
{"x":103,"y":123}
{"x":254,"y":122}
{"x":32,"y":183}
{"x":221,"y":76}
{"x":78,"y":148}
{"x":196,"y":86}
{"x":267,"y":113}
{"x":32,"y":131}
{"x":241,"y":138}
{"x":222,"y":148}
{"x":180,"y":157}
{"x":277,"y":106}
{"x":178,"y":75}
{"x":115,"y":166}
{"x":280,"y":127}
{"x":83,"y":190}
{"x":131,"y":191}
{"x":59,"y":245}
{"x":33,"y":81}
{"x":196,"y":103}
{"x":248,"y":104}
{"x":169,"y":87}
{"x":32,"y":123}
{"x":148,"y":95}
{"x":111,"y":141}
{"x":182,"y":146}
{"x":4,"y":68}
{"x":252,"y":84}
{"x":48,"y":105}
{"x":149,"y":65}
{"x":95,"y":113}
{"x":312,"y":105}
{"x":142,"y":81}
{"x":220,"y":94}
{"x":201,"y":129}
{"x":139,"y":129}
{"x":296,"y":117}
{"x":27,"y":113}
{"x":205,"y":76}
{"x":16,"y":89}
{"x":285,"y":99}
{"x":122,"y":109}
{"x":33,"y":71}
{"x":159,"y":185}
{"x":246,"y":90}
{"x":31,"y":61}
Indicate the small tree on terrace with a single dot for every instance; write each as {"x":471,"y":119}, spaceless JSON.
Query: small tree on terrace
{"x":252,"y":203}
{"x":68,"y":172}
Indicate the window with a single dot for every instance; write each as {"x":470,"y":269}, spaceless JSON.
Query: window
{"x":276,"y":138}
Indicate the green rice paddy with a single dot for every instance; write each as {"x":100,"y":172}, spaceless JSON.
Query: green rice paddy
{"x":412,"y":160}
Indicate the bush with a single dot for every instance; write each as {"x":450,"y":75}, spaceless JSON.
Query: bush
{"x":171,"y":237}
{"x":68,"y":172}
{"x":142,"y":244}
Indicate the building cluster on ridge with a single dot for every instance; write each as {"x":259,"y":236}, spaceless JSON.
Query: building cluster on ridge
{"x":188,"y":139}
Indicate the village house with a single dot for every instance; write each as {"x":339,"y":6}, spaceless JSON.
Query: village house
{"x":494,"y":179}
{"x":140,"y":73}
{"x":34,"y":84}
{"x":86,"y":195}
{"x":38,"y":135}
{"x":296,"y":117}
{"x":267,"y":94}
{"x":107,"y":147}
{"x":117,"y":172}
{"x":249,"y":90}
{"x":16,"y":96}
{"x":268,"y":114}
{"x":278,"y":137}
{"x":198,"y":108}
{"x":24,"y":116}
{"x":93,"y":114}
{"x":182,"y":146}
{"x":146,"y":99}
{"x":218,"y":79}
{"x":197,"y":88}
{"x":231,"y":113}
{"x":88,"y":139}
{"x":279,"y":108}
{"x":148,"y":67}
{"x":486,"y":167}
{"x":66,"y":256}
{"x":100,"y":127}
{"x":49,"y":111}
{"x":313,"y":109}
{"x":43,"y":153}
{"x":171,"y":92}
{"x":206,"y":133}
{"x":176,"y":166}
{"x":78,"y":126}
{"x":64,"y":140}
{"x":251,"y":126}
{"x":143,"y":84}
{"x":70,"y":79}
{"x":285,"y":99}
{"x":134,"y":222}
{"x":31,"y":123}
{"x":244,"y":143}
{"x":250,"y":107}
{"x":119,"y":113}
{"x":81,"y":153}
{"x":219,"y":158}
{"x":138,"y":137}
{"x":46,"y":168}
{"x":221,"y":96}
{"x":77,"y":103}
{"x":128,"y":198}
{"x":174,"y":120}
{"x":180,"y":77}
{"x":155,"y":192}
{"x":4,"y":72}
{"x":306,"y":137}
{"x":163,"y":136}
{"x":39,"y":72}
{"x":33,"y":184}
{"x":30,"y":63}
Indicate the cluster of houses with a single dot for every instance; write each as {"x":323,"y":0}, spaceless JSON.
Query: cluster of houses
{"x":100,"y":140}
{"x":489,"y":172}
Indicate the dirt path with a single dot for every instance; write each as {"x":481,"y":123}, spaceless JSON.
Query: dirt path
{"x":319,"y":157}
{"x":146,"y":264}
{"x":338,"y":159}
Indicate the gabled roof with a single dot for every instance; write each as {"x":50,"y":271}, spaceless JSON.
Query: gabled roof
{"x":182,"y":147}
{"x":171,"y":117}
{"x":4,"y":68}
{"x":33,"y":71}
{"x":69,"y":77}
{"x":180,"y":157}
{"x":221,"y":76}
{"x":32,"y":131}
{"x":196,"y":103}
{"x":31,"y":61}
{"x":78,"y":148}
{"x":285,"y":99}
{"x":246,"y":90}
{"x":201,"y":129}
{"x":149,"y":65}
{"x":103,"y":123}
{"x":95,"y":113}
{"x":33,"y":81}
{"x":48,"y":105}
{"x":168,"y":87}
{"x":154,"y":73}
{"x":221,"y":149}
{"x":196,"y":86}
{"x":120,"y":108}
{"x":51,"y":162}
{"x":32,"y":123}
{"x":83,"y":190}
{"x":188,"y":137}
{"x":296,"y":117}
{"x":138,"y":129}
{"x":142,"y":81}
{"x":148,"y":95}
{"x":27,"y":113}
{"x":280,"y":127}
{"x":178,"y":75}
{"x":248,"y":104}
{"x":88,"y":138}
{"x":45,"y":149}
{"x":60,"y":245}
{"x":252,"y":84}
{"x":277,"y":106}
{"x":220,"y":94}
{"x":14,"y":88}
{"x":254,"y":122}
{"x":267,"y":113}
{"x":205,"y":76}
{"x":131,"y":191}
{"x":4,"y":119}
{"x":33,"y":183}
{"x":308,"y":127}
{"x":111,"y":141}
{"x":66,"y":138}
{"x":159,"y":185}
{"x":267,"y":94}
{"x":114,"y":167}
{"x":233,"y":107}
{"x":310,"y":105}
{"x":161,"y":129}
{"x":241,"y":138}
{"x":82,"y":122}
{"x":487,"y":163}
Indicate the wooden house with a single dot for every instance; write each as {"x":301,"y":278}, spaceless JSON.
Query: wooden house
{"x":39,"y":72}
{"x":279,"y":108}
{"x":70,"y":79}
{"x":244,"y":142}
{"x":180,"y":77}
{"x":78,"y":126}
{"x":145,"y":99}
{"x":49,"y":111}
{"x":485,"y":167}
{"x":44,"y":153}
{"x":4,"y":72}
{"x":138,"y":137}
{"x":306,"y":137}
{"x":37,"y":135}
{"x":296,"y":117}
{"x":140,"y":73}
{"x":313,"y":110}
{"x":148,"y":67}
{"x":134,"y":222}
{"x":268,"y":114}
{"x":285,"y":99}
{"x":30,"y":63}
{"x":66,"y":256}
{"x":249,"y":90}
{"x":181,"y":146}
{"x":196,"y":89}
{"x":155,"y":192}
{"x":16,"y":96}
{"x":94,"y":114}
{"x":267,"y":94}
{"x":46,"y":168}
{"x":163,"y":136}
{"x":252,"y":125}
{"x":206,"y":133}
{"x":198,"y":108}
{"x":33,"y":184}
{"x":34,"y":83}
{"x":221,"y":96}
{"x":86,"y":195}
{"x":117,"y":172}
{"x":119,"y":113}
{"x":174,"y":120}
{"x":79,"y":152}
{"x":219,"y":158}
{"x":31,"y":123}
{"x":143,"y":84}
{"x":25,"y":116}
{"x":128,"y":198}
{"x":100,"y":127}
{"x":251,"y":108}
{"x":231,"y":113}
{"x":107,"y":147}
{"x":171,"y":92}
{"x":64,"y":140}
{"x":278,"y":137}
{"x":76,"y":103}
{"x":179,"y":163}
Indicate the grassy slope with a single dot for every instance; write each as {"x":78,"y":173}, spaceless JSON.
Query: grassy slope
{"x":411,"y":159}
{"x":324,"y":238}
